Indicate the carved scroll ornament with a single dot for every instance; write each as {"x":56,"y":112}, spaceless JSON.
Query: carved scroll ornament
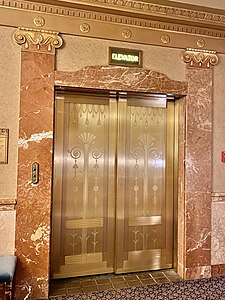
{"x":35,"y":39}
{"x":200,"y":58}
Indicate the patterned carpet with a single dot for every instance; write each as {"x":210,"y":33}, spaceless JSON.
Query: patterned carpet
{"x":203,"y":289}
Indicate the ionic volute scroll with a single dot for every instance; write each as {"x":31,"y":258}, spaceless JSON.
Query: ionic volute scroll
{"x":37,"y":40}
{"x":200,"y":58}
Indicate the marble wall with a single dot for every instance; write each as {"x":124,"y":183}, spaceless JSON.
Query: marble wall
{"x":201,"y":216}
{"x":121,"y":78}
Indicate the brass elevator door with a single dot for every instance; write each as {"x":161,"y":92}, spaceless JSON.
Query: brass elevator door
{"x":113,"y":184}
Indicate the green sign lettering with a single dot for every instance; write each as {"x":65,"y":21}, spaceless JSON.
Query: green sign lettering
{"x":125,"y":57}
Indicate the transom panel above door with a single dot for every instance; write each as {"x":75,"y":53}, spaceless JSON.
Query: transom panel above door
{"x":113,"y":183}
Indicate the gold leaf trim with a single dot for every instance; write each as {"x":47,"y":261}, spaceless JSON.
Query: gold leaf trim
{"x":40,"y":39}
{"x":200,"y":58}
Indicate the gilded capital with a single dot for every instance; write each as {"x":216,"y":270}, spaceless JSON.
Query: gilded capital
{"x":38,"y":40}
{"x":200,"y":58}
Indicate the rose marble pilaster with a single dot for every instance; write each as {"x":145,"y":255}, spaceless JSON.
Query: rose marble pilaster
{"x":198,"y":181}
{"x":35,"y":145}
{"x":198,"y":165}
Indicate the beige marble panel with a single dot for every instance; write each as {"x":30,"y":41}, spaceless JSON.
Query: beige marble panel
{"x":79,"y":52}
{"x":218,"y":232}
{"x":218,"y":125}
{"x":7,"y":232}
{"x":9,"y":108}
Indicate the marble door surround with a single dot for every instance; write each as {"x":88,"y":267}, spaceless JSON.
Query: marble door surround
{"x":33,"y":209}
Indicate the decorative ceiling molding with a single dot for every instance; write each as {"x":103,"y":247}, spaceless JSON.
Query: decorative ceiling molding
{"x":200,"y":58}
{"x":120,"y":19}
{"x":34,"y":39}
{"x":145,"y":8}
{"x":146,"y":23}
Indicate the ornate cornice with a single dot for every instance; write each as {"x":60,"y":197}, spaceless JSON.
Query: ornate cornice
{"x":170,"y":10}
{"x":200,"y":58}
{"x":146,"y":9}
{"x":34,"y":39}
{"x":136,"y":21}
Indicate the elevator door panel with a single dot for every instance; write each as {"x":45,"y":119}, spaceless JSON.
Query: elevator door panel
{"x":82,"y":216}
{"x":144,"y":206}
{"x":112,"y":194}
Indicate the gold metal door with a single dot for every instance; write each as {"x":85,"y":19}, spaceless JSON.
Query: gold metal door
{"x":144,"y":216}
{"x":84,"y":185}
{"x":113,"y":184}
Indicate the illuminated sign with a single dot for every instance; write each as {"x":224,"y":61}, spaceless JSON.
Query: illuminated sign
{"x":125,"y":57}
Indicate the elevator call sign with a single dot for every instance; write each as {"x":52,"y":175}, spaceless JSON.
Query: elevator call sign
{"x":125,"y":57}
